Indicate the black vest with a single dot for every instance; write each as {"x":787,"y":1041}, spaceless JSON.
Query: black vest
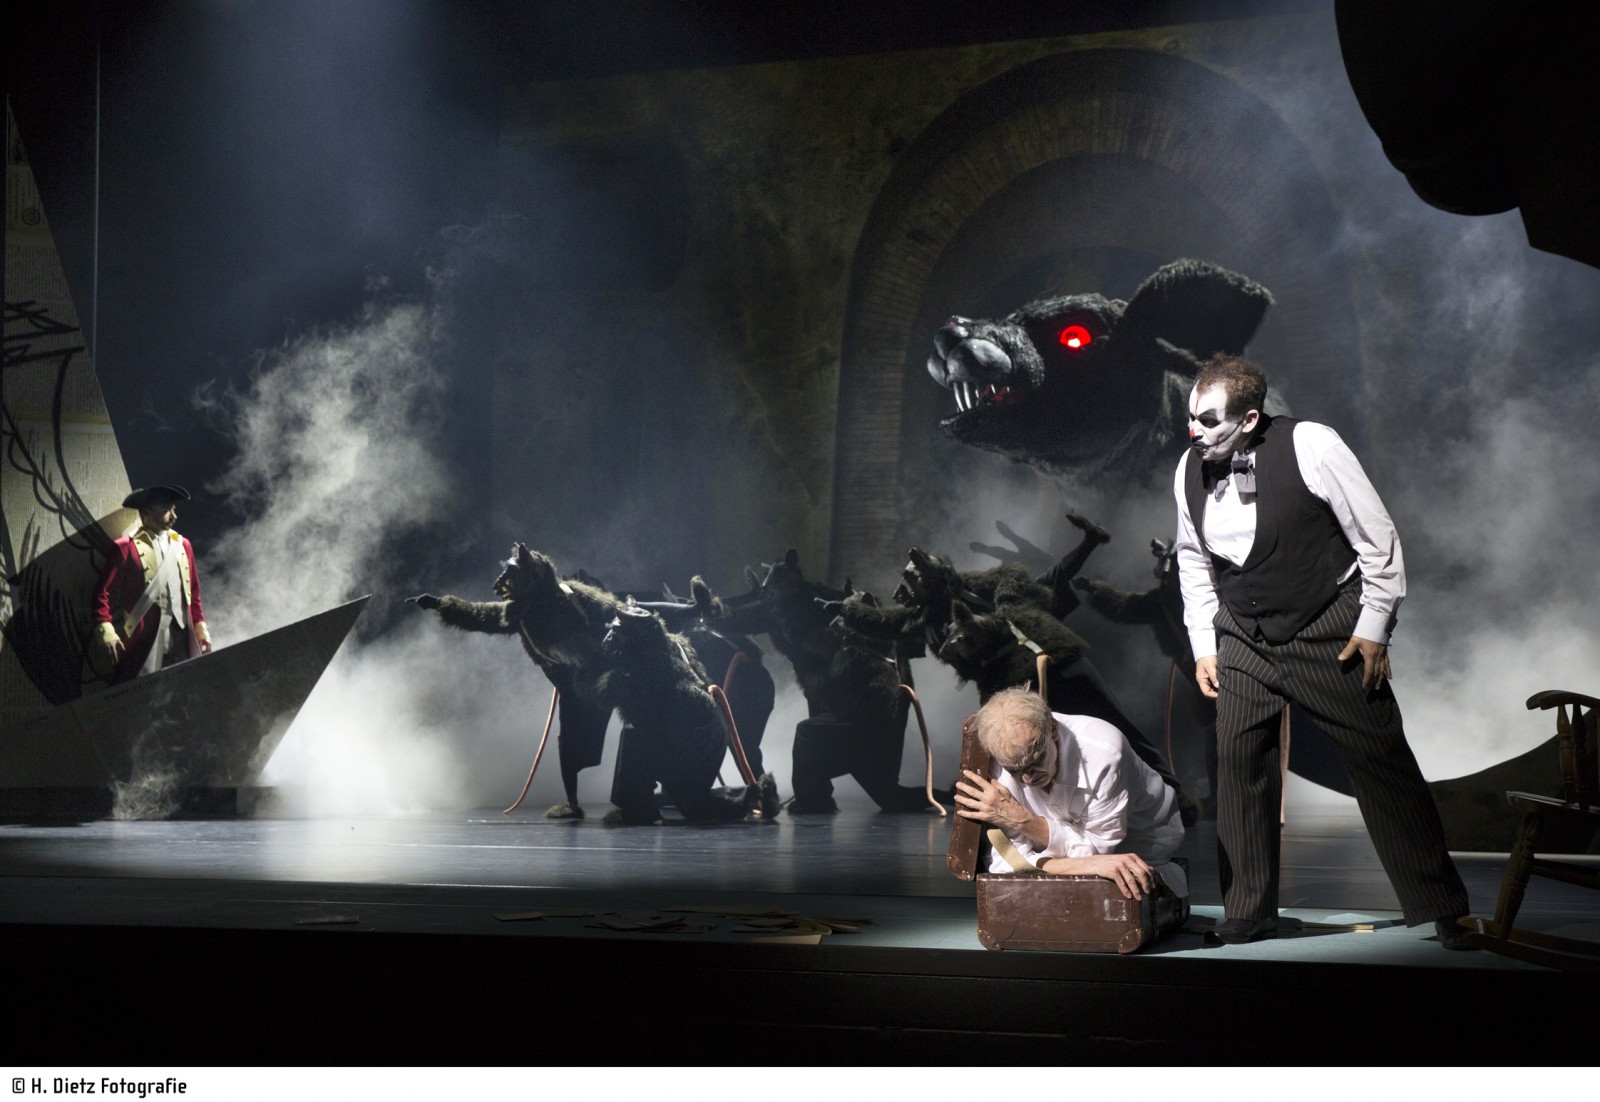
{"x":1292,"y":572}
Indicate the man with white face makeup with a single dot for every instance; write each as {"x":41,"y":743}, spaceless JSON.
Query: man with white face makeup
{"x":1292,"y":574}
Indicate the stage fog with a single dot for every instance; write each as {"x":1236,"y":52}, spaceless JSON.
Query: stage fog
{"x":391,"y":302}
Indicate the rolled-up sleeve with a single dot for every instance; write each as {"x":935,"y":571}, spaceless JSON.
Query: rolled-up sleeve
{"x":1100,"y":828}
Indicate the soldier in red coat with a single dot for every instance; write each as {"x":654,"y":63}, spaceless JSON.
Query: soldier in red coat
{"x":147,"y":607}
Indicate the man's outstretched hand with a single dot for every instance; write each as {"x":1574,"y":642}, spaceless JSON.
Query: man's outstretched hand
{"x":424,"y":600}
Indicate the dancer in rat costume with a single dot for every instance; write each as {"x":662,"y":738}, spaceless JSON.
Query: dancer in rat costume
{"x":673,"y":733}
{"x":561,"y":623}
{"x":856,"y":713}
{"x":731,"y":659}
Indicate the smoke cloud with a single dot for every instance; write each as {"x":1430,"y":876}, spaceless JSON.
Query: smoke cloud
{"x":335,"y":468}
{"x":341,"y":486}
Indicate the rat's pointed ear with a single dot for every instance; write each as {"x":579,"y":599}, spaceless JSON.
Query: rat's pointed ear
{"x":1196,"y":306}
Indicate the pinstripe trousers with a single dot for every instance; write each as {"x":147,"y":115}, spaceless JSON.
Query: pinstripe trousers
{"x":1257,"y":679}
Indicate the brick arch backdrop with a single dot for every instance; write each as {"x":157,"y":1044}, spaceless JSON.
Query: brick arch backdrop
{"x":1096,"y":165}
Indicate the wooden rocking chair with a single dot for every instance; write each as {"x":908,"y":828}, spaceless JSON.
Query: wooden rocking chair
{"x":1569,"y":820}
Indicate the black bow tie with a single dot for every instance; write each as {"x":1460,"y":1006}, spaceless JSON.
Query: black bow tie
{"x":1243,"y":468}
{"x":1240,"y":467}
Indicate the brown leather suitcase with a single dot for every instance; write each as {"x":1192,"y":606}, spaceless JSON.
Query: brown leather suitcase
{"x":1083,"y":914}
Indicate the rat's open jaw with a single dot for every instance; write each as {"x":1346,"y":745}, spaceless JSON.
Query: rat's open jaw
{"x":970,"y":396}
{"x":976,"y":370}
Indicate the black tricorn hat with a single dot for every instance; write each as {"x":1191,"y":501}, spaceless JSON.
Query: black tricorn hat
{"x":155,"y":495}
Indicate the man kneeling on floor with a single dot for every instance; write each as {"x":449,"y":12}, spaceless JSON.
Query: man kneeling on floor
{"x":1072,"y":798}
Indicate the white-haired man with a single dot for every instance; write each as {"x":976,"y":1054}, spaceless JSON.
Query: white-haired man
{"x":1072,"y":798}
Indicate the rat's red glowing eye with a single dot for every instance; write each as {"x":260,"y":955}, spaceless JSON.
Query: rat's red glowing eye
{"x":1075,"y":337}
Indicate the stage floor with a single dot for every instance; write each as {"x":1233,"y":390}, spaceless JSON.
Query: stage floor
{"x":734,"y":904}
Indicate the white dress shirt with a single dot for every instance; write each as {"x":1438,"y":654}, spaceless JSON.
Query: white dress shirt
{"x":1104,"y":800}
{"x":1333,"y":474}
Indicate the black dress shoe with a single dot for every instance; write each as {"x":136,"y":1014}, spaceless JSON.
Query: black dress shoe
{"x":1453,"y":935}
{"x":1238,"y":931}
